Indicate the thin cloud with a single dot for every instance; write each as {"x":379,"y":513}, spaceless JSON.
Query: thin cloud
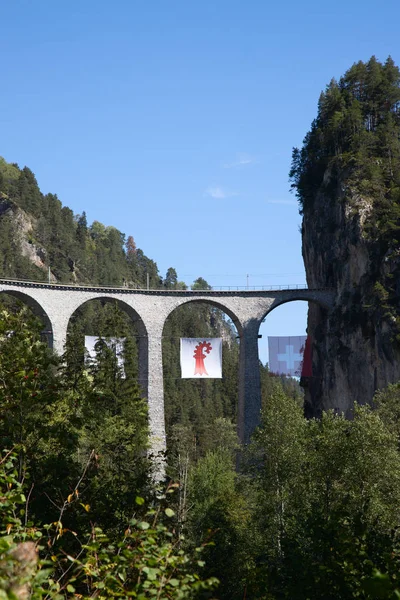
{"x":241,"y":161}
{"x":290,"y":202}
{"x":216,"y":191}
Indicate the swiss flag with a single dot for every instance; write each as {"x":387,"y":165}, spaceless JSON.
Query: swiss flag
{"x":286,"y":354}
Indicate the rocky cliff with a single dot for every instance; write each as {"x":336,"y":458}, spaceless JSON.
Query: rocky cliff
{"x":355,"y":350}
{"x":347,"y":178}
{"x":23,"y":229}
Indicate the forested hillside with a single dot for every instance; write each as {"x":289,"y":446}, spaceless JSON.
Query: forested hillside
{"x":37,"y":233}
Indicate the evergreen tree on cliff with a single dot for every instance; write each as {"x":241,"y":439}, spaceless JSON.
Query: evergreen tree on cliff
{"x":347,"y":180}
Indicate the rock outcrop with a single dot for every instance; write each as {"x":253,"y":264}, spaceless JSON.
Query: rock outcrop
{"x":347,"y":179}
{"x":355,"y":350}
{"x":24,"y":228}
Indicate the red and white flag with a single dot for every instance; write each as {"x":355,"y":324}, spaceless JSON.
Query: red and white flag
{"x":201,"y":358}
{"x":286,"y":354}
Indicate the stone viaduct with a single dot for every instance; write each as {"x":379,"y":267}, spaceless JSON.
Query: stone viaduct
{"x":56,"y":303}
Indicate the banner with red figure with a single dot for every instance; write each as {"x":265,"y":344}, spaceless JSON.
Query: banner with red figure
{"x":201,"y":358}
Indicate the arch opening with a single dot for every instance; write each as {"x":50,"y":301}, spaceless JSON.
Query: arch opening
{"x":107,"y":322}
{"x":14,"y":300}
{"x":109,"y":401}
{"x":199,"y":413}
{"x":290,"y":354}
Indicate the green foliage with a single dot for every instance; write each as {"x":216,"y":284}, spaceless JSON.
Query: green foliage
{"x":312,"y":512}
{"x":192,"y":403}
{"x":13,"y":499}
{"x":356,"y":132}
{"x":220,"y":513}
{"x":8,"y":171}
{"x":387,"y":403}
{"x":38,"y":418}
{"x":93,"y":432}
{"x":116,"y":428}
{"x":58,"y":418}
{"x":350,"y":160}
{"x":171,"y":279}
{"x":112,"y":411}
{"x":200,"y":284}
{"x":144,"y":562}
{"x":328,"y":494}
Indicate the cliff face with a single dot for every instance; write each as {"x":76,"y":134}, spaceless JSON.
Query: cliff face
{"x":354,"y":349}
{"x":23,"y":226}
{"x":347,"y":180}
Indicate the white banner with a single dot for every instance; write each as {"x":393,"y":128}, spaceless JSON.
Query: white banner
{"x":286,"y":354}
{"x":116,"y":344}
{"x":201,"y":358}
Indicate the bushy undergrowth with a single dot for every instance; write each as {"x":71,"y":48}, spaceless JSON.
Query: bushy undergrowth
{"x":54,"y":562}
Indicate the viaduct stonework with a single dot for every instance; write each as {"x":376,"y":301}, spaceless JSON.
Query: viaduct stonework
{"x":56,"y":303}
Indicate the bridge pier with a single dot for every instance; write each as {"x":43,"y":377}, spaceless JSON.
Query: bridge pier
{"x":151,"y":378}
{"x":59,"y":327}
{"x":249,"y":408}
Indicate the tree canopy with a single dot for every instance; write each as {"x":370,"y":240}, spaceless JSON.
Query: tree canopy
{"x":355,"y":138}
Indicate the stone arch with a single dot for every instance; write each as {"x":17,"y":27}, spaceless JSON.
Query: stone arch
{"x":136,"y":318}
{"x":321,"y":304}
{"x":310,"y":330}
{"x":125,"y":306}
{"x":204,"y":300}
{"x":37,"y":310}
{"x":216,"y":388}
{"x":320,"y":299}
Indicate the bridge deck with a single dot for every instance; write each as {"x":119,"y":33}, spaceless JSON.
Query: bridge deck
{"x":219,"y":290}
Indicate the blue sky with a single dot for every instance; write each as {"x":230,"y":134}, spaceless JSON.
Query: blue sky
{"x":174,"y":121}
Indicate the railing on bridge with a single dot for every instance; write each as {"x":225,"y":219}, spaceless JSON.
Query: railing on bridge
{"x":223,"y":288}
{"x":256,"y":288}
